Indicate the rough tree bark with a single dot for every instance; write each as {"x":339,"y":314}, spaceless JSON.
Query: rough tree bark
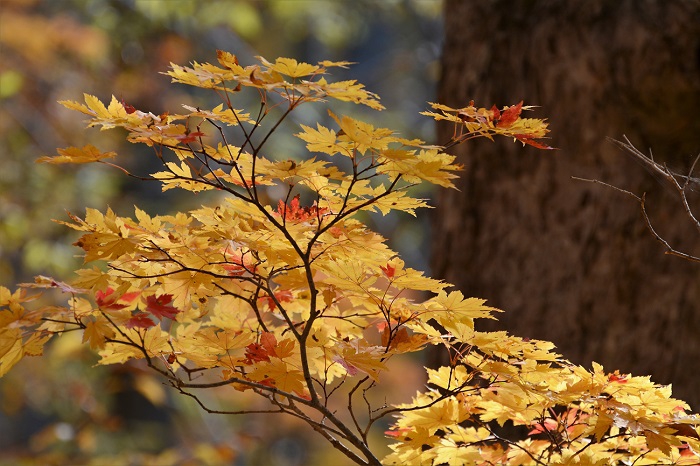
{"x":569,"y":261}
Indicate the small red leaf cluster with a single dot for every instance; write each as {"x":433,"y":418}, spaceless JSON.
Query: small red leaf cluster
{"x":509,"y":116}
{"x":257,"y":352}
{"x":282,"y":296}
{"x":107,"y":300}
{"x":296,"y":213}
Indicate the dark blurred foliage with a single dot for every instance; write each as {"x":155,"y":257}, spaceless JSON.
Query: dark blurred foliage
{"x":59,"y":406}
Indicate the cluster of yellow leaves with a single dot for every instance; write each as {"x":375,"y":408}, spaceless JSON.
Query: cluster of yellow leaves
{"x":285,"y":77}
{"x":480,"y":122}
{"x":15,"y":343}
{"x":293,"y":299}
{"x":568,"y":415}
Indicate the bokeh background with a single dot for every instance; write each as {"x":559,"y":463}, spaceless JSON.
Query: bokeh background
{"x":59,"y":408}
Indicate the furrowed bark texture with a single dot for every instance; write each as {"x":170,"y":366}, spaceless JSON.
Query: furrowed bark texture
{"x":570,"y":261}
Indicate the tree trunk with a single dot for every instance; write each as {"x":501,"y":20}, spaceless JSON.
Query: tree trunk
{"x":570,"y":261}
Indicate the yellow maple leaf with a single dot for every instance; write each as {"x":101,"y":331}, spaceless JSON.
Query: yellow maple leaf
{"x":284,"y":348}
{"x":97,"y":107}
{"x":290,"y":67}
{"x":34,"y":345}
{"x":86,"y":154}
{"x":441,"y":414}
{"x":11,"y":351}
{"x":661,"y":442}
{"x":363,"y":358}
{"x":450,"y":453}
{"x":180,"y":177}
{"x":321,"y":139}
{"x":96,"y":332}
{"x":280,"y":374}
{"x":348,"y":91}
{"x":231,"y":117}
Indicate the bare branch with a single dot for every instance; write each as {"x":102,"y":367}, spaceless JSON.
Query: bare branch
{"x":680,"y":184}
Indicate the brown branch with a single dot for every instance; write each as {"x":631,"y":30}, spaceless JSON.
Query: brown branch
{"x":663,"y":172}
{"x":670,"y":250}
{"x":665,"y":175}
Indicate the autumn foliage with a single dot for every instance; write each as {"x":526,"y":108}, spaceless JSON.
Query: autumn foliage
{"x":281,"y":290}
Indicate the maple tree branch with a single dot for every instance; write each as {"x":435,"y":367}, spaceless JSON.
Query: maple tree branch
{"x":66,"y":322}
{"x":359,"y":443}
{"x":256,"y":150}
{"x":126,"y":172}
{"x":140,"y":347}
{"x":234,"y":164}
{"x":183,"y":268}
{"x":641,"y":457}
{"x":219,"y":184}
{"x":283,"y":312}
{"x":647,"y":221}
{"x":326,"y":431}
{"x":240,"y":123}
{"x":351,"y":410}
{"x":511,"y":443}
{"x":254,"y":304}
{"x":215,"y":411}
{"x":313,"y":292}
{"x":445,"y":394}
{"x":342,"y":215}
{"x":669,"y":249}
{"x":295,"y":411}
{"x":661,"y":172}
{"x":249,"y":383}
{"x":205,"y":162}
{"x":326,"y":369}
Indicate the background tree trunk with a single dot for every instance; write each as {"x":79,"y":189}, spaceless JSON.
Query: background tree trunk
{"x":569,"y":261}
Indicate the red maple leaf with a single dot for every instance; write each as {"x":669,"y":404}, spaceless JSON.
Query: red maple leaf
{"x":295,"y":212}
{"x":398,"y":432}
{"x":129,"y":108}
{"x":389,"y":270}
{"x":267,"y":381}
{"x":140,"y":320}
{"x":530,"y":141}
{"x":496,"y":113}
{"x":159,"y":306}
{"x":291,"y":211}
{"x":189,"y":137}
{"x":510,"y":115}
{"x":283,"y":296}
{"x":255,"y":352}
{"x":238,"y":262}
{"x":268,"y":341}
{"x":617,"y":377}
{"x":106,"y":299}
{"x":549,"y":424}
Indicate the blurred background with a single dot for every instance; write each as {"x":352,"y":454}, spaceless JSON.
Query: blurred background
{"x":59,"y":407}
